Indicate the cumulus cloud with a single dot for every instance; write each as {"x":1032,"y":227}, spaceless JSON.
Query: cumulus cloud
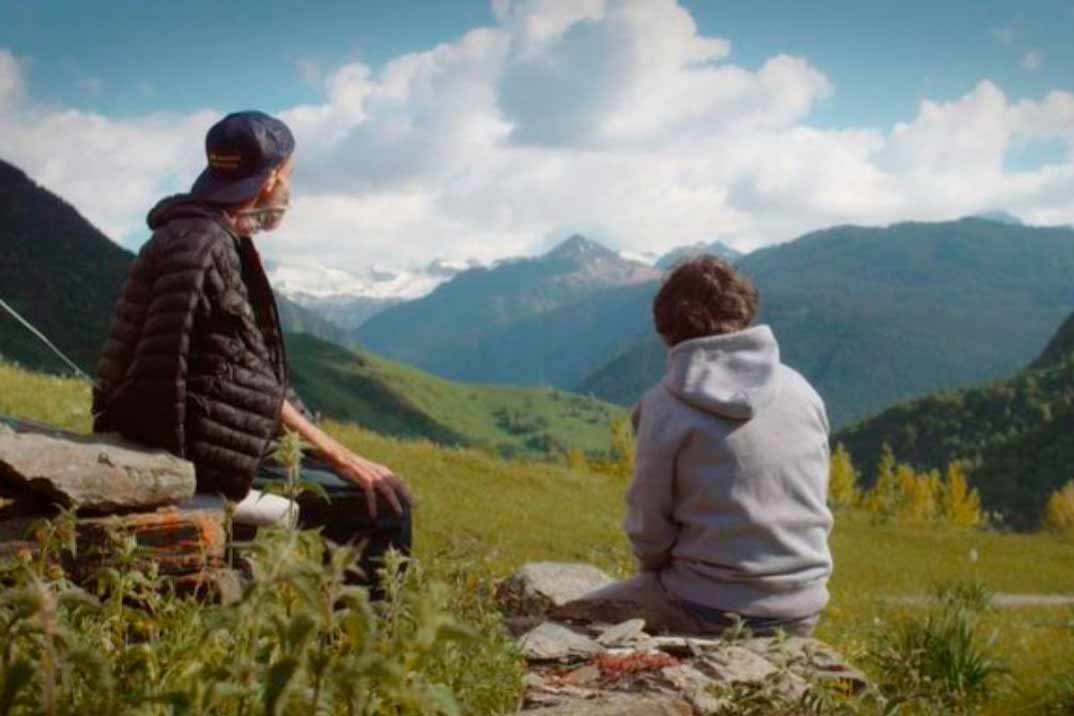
{"x":110,"y":170}
{"x":618,"y":119}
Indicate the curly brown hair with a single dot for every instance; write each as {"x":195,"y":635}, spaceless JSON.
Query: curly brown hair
{"x":703,"y":296}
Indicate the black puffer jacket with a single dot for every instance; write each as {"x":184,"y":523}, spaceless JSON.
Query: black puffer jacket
{"x":195,"y":362}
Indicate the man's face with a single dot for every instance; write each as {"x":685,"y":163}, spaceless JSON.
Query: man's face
{"x":267,"y":213}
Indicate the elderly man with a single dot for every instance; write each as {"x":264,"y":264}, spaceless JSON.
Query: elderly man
{"x":195,"y":361}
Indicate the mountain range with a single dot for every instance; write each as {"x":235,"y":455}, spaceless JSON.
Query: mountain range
{"x":870,"y":315}
{"x":525,"y":321}
{"x":1017,"y":434}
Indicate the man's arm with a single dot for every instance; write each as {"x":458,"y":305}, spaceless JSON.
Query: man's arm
{"x":370,"y":476}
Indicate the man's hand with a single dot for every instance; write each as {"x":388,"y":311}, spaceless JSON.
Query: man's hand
{"x":372,"y":477}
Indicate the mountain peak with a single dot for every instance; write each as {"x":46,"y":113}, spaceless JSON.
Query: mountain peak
{"x":1000,"y":216}
{"x":578,"y":246}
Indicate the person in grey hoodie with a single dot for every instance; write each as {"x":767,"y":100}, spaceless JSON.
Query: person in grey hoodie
{"x":727,"y":512}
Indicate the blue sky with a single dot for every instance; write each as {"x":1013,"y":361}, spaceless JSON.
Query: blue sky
{"x":862,"y":70}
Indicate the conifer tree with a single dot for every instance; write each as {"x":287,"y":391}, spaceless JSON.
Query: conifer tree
{"x":843,"y":489}
{"x":882,"y":500}
{"x":1059,"y":512}
{"x":960,"y":505}
{"x":916,"y":501}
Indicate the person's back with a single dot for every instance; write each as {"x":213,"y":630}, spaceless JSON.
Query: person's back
{"x":748,"y":437}
{"x":727,"y":511}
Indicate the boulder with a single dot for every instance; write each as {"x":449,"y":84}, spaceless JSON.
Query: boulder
{"x":541,"y":586}
{"x":97,"y":474}
{"x":552,"y":642}
{"x":177,"y":540}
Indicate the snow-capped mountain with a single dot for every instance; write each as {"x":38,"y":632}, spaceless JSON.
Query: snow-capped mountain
{"x":349,"y":299}
{"x":718,"y":248}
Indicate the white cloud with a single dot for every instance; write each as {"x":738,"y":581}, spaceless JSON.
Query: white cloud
{"x":615,"y":118}
{"x":112,"y":171}
{"x":1032,"y":60}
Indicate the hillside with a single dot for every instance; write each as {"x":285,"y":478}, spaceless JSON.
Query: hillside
{"x":1060,"y":347}
{"x":524,"y":321}
{"x":873,"y":316}
{"x":58,"y":271}
{"x":480,"y":518}
{"x":393,"y":399}
{"x":1016,"y":434}
{"x":64,"y":276}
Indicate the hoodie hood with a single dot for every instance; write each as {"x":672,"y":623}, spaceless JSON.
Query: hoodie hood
{"x":180,"y":206}
{"x":734,"y":375}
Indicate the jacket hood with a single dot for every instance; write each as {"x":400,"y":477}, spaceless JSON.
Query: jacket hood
{"x":734,"y":375}
{"x":180,"y":206}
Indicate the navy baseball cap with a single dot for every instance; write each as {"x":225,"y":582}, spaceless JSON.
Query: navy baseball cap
{"x":243,"y":149}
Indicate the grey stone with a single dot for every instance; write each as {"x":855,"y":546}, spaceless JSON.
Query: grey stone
{"x":685,"y":645}
{"x":551,"y":642}
{"x":811,"y":659}
{"x":736,"y":664}
{"x":540,"y":586}
{"x":622,"y":633}
{"x":620,"y":705}
{"x":98,"y":474}
{"x":695,"y":686}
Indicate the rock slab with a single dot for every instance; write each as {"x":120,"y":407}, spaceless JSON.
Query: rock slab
{"x":541,"y":586}
{"x":552,"y":642}
{"x":98,"y":474}
{"x":173,"y":540}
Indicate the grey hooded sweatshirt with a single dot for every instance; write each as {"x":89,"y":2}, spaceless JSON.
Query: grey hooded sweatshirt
{"x":729,"y":498}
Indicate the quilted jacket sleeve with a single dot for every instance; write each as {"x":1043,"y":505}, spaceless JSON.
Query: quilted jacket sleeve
{"x":123,"y":335}
{"x":144,"y":396}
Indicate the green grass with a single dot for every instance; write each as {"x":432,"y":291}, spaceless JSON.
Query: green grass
{"x":481,"y":515}
{"x":390,"y":398}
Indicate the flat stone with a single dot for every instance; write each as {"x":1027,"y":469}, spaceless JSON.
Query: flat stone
{"x":811,"y":659}
{"x":736,"y":664}
{"x":540,"y":586}
{"x":552,"y":642}
{"x":99,"y":473}
{"x":620,"y":705}
{"x":685,"y":645}
{"x":622,"y":633}
{"x":695,"y":686}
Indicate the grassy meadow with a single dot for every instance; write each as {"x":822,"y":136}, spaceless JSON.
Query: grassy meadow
{"x":479,"y":516}
{"x":395,"y":399}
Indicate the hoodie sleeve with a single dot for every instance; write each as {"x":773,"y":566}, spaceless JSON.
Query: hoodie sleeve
{"x":649,"y":523}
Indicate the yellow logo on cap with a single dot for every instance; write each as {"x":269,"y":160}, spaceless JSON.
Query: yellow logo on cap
{"x":225,"y":161}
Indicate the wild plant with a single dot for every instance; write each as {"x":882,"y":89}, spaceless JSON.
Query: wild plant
{"x":972,"y":595}
{"x":301,"y":640}
{"x":1058,"y":697}
{"x":940,"y":663}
